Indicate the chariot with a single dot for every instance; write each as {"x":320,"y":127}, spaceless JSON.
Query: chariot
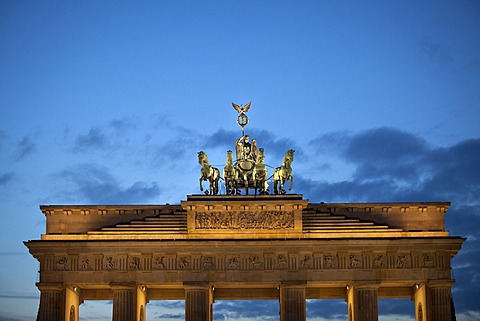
{"x":248,"y":171}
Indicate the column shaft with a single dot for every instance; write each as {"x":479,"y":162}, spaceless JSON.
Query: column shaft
{"x":124,"y":303}
{"x":366,"y":305}
{"x":52,"y":302}
{"x":362,"y":303}
{"x":439,"y":304}
{"x":198,"y":303}
{"x":293,"y":303}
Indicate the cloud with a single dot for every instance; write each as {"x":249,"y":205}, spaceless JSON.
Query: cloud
{"x":95,"y":138}
{"x":13,"y":254}
{"x":171,"y":152}
{"x":246,"y":310}
{"x":391,"y":165}
{"x":19,"y":295}
{"x":275,"y":148}
{"x":95,"y":184}
{"x":3,"y":137}
{"x":6,"y":178}
{"x":2,"y":318}
{"x":123,"y":125}
{"x":25,"y":147}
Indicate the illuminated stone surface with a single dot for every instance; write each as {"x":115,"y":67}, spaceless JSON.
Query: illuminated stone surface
{"x":275,"y":247}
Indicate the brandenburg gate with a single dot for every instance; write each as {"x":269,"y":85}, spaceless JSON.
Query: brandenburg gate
{"x":245,"y":246}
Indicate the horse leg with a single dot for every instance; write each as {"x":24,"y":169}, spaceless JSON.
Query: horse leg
{"x":211,"y":186}
{"x":215,"y":187}
{"x":201,"y":187}
{"x":291,"y":183}
{"x":282,"y":186}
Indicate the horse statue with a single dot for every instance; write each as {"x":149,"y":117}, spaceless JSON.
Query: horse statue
{"x":260,"y":175}
{"x":283,"y":173}
{"x":230,"y":175}
{"x":208,"y":173}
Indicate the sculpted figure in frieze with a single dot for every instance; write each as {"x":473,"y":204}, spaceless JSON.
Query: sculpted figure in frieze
{"x":62,"y":263}
{"x":378,"y":261}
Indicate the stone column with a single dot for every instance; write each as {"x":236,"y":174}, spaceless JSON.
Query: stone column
{"x":124,"y":301}
{"x":72,"y":303}
{"x":439,"y":301}
{"x":142,"y":301}
{"x":198,"y":302}
{"x":420,"y":301}
{"x":52,"y":302}
{"x":362,"y":302}
{"x":293,"y":305}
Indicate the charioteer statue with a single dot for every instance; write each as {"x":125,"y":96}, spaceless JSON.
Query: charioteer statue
{"x":248,"y":171}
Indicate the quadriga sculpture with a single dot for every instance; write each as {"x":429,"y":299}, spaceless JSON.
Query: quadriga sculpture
{"x":260,"y":174}
{"x":208,"y":173}
{"x":230,"y":175}
{"x":283,"y":173}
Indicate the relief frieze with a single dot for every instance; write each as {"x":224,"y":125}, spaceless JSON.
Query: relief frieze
{"x":306,"y":262}
{"x":379,"y":261}
{"x":282,"y":261}
{"x":232,"y":263}
{"x":330,"y":262}
{"x":354,"y":262}
{"x":85,"y":264}
{"x":134,"y":263}
{"x":110,"y":263}
{"x":428,"y":261}
{"x":253,"y":261}
{"x":184,"y":262}
{"x":208,"y":262}
{"x":159,"y":263}
{"x":263,"y":220}
{"x":62,"y":263}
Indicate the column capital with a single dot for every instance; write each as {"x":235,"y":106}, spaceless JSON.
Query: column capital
{"x":196,"y":285}
{"x":47,"y":286}
{"x":123,"y":286}
{"x":440,"y":283}
{"x":293,"y":285}
{"x":364,"y":285}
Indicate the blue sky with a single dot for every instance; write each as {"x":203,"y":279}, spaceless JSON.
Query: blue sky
{"x":108,"y":102}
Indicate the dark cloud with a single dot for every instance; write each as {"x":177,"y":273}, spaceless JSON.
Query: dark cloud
{"x":3,"y":318}
{"x":265,"y":309}
{"x":3,"y":136}
{"x":123,"y":125}
{"x":19,"y":295}
{"x":13,"y":254}
{"x":95,"y":184}
{"x":171,"y":152}
{"x":396,"y":306}
{"x":275,"y":148}
{"x":6,"y":178}
{"x":25,"y":147}
{"x":390,"y":165}
{"x":328,"y":308}
{"x":223,"y":139}
{"x":383,"y":146}
{"x":95,"y":138}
